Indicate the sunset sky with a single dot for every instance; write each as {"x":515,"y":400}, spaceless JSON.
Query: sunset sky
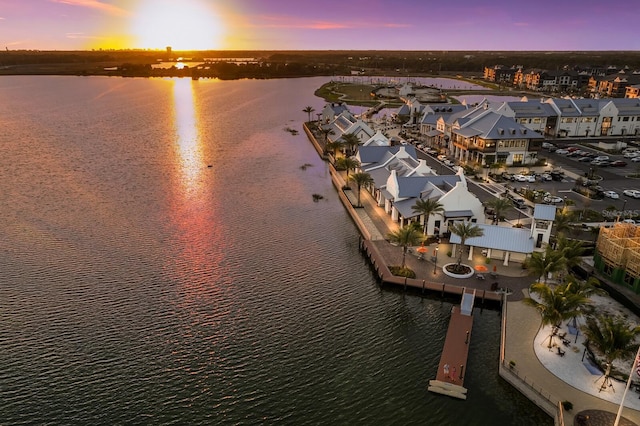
{"x":319,"y":25}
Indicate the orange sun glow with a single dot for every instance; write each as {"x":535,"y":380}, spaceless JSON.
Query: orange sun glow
{"x":184,"y":25}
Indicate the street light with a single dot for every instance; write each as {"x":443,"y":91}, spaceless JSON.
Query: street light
{"x":624,"y":205}
{"x":435,"y":260}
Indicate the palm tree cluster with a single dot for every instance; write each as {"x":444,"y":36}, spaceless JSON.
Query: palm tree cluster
{"x":563,"y":301}
{"x":565,"y":256}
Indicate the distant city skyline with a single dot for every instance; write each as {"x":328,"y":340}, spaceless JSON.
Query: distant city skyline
{"x":546,"y":25}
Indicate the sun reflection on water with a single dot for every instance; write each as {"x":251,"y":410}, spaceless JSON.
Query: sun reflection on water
{"x":188,"y":143}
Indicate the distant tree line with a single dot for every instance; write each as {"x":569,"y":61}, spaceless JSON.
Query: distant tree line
{"x":274,"y":64}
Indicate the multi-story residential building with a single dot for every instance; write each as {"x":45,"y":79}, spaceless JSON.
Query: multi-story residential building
{"x":535,"y":115}
{"x":633,"y":92}
{"x":612,"y":86}
{"x":481,"y":135}
{"x":500,"y":74}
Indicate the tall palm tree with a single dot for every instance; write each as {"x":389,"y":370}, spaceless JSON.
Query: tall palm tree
{"x":360,"y":180}
{"x":612,"y":337}
{"x":499,"y":206}
{"x":351,"y":141}
{"x":347,"y":163}
{"x":555,"y":305}
{"x":405,"y":237}
{"x":308,"y":110}
{"x":542,"y":263}
{"x":465,"y":230}
{"x":427,"y":207}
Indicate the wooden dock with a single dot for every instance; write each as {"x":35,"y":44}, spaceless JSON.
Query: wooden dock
{"x":451,"y":369}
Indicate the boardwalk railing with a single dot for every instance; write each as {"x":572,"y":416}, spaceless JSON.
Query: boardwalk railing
{"x":543,"y":399}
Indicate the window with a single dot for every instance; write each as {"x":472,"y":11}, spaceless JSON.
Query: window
{"x":625,"y":118}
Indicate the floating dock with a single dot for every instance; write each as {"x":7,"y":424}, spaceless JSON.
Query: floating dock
{"x":451,"y":369}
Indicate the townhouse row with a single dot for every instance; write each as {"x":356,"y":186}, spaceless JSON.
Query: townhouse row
{"x":610,"y":83}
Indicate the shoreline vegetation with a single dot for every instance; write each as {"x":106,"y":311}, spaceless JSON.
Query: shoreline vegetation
{"x":463,"y":65}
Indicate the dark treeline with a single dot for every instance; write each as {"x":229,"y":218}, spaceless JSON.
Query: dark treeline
{"x":273,"y":64}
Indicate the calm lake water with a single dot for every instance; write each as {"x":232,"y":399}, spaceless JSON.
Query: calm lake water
{"x":162,"y":262}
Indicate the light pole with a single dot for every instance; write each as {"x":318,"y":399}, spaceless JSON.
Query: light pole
{"x":435,"y":260}
{"x":624,"y":205}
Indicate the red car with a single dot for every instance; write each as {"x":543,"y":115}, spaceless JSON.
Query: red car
{"x":618,"y":163}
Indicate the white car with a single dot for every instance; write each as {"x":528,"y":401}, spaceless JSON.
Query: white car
{"x":631,"y":154}
{"x":636,"y":159}
{"x":448,"y":163}
{"x":601,"y":158}
{"x":611,"y":194}
{"x":520,"y":178}
{"x":562,"y":151}
{"x":631,"y":193}
{"x":442,"y":157}
{"x":545,"y":176}
{"x":552,"y":199}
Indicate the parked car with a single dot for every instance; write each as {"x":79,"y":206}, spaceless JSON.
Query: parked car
{"x":558,"y":177}
{"x":636,"y":159}
{"x":631,"y":154}
{"x":601,"y":163}
{"x":631,"y":193}
{"x":547,"y":145}
{"x":611,"y":194}
{"x":552,"y":199}
{"x":545,"y":176}
{"x":442,"y":157}
{"x":562,"y":151}
{"x":448,"y":162}
{"x":602,"y":158}
{"x":618,"y":163}
{"x":585,"y":159}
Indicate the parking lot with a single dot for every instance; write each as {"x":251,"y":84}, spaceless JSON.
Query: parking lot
{"x":558,"y":189}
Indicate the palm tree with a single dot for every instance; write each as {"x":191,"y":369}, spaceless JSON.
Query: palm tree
{"x":360,"y":180}
{"x":405,"y":237}
{"x":499,"y":206}
{"x":585,"y":288}
{"x":308,"y":110}
{"x":334,"y":147}
{"x":465,"y":230}
{"x":555,"y":305}
{"x":326,"y":131}
{"x":562,"y":223}
{"x":612,"y":337}
{"x":427,"y":207}
{"x":572,"y":251}
{"x":350,"y":140}
{"x":347,"y":163}
{"x":542,"y":263}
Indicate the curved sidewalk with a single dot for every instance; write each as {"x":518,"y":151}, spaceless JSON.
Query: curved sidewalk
{"x":522,"y":325}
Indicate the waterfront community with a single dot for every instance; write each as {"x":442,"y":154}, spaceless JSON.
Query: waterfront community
{"x":415,"y":216}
